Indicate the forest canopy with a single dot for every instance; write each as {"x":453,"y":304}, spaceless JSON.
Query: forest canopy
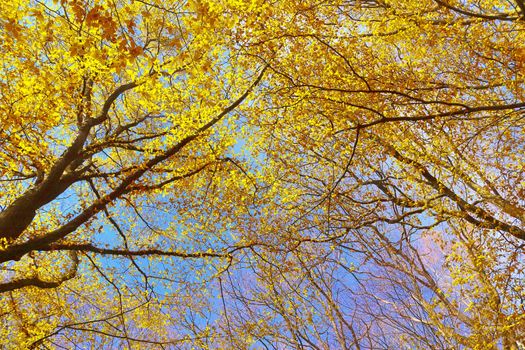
{"x":255,"y":174}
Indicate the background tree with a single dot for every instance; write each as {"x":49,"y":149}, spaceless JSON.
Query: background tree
{"x":396,"y":123}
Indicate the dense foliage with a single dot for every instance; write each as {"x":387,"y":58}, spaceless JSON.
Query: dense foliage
{"x":343,"y":174}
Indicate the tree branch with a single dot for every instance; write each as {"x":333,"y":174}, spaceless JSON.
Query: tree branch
{"x":16,"y":251}
{"x":21,"y":212}
{"x":88,"y":247}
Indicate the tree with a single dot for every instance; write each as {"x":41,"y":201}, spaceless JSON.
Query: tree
{"x":109,"y":109}
{"x":319,"y":174}
{"x":398,"y":121}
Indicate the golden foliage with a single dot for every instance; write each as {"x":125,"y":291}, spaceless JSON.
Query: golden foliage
{"x":255,"y":174}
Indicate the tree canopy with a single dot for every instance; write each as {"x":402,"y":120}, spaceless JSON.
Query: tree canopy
{"x":254,"y":174}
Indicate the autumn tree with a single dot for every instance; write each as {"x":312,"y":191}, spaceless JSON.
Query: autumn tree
{"x":398,"y":123}
{"x":119,"y":120}
{"x":287,"y":174}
